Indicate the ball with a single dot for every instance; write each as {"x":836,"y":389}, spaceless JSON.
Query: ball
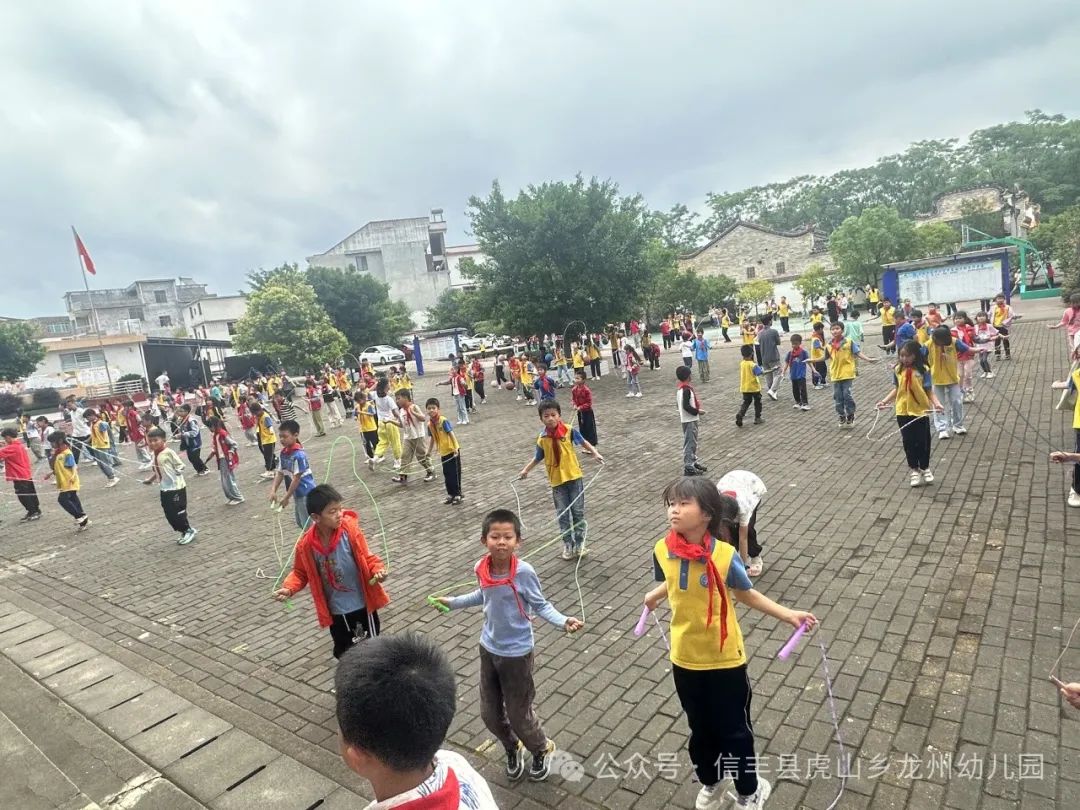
{"x":509,"y":386}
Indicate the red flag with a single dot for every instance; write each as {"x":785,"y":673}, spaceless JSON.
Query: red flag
{"x":84,"y":255}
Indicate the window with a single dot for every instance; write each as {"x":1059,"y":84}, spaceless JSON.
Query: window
{"x":82,"y":321}
{"x":780,"y":268}
{"x":74,"y":361}
{"x":199,"y":308}
{"x":361,"y":263}
{"x":59,"y":328}
{"x":230,"y":327}
{"x":191,"y":311}
{"x":750,"y":272}
{"x":160,"y":297}
{"x":136,"y":313}
{"x":165,"y":320}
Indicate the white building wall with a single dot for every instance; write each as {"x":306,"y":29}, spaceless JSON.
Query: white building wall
{"x":125,"y":358}
{"x":210,"y":318}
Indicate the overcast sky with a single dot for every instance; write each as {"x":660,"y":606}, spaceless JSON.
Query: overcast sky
{"x":207,"y":138}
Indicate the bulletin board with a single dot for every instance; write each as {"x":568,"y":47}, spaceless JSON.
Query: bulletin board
{"x":951,"y":281}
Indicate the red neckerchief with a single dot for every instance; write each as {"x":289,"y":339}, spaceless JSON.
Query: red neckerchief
{"x":685,"y":550}
{"x":682,"y":385}
{"x":483,"y":574}
{"x":448,"y":797}
{"x":556,"y":435}
{"x":288,"y":451}
{"x":435,"y":425}
{"x":407,"y":412}
{"x":327,"y":550}
{"x":222,"y":450}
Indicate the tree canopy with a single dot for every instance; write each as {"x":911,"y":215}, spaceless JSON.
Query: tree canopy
{"x":20,"y":350}
{"x":814,"y":283}
{"x":286,"y":322}
{"x":862,"y":244}
{"x":756,"y":292}
{"x":1059,"y":240}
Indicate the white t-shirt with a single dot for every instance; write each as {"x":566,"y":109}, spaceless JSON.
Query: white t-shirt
{"x":474,"y":793}
{"x":687,"y":348}
{"x":386,"y":409}
{"x":162,"y":380}
{"x":748,"y":489}
{"x":79,"y":427}
{"x":414,"y":429}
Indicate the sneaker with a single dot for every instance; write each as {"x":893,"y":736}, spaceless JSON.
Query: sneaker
{"x":756,"y":567}
{"x":943,"y":434}
{"x":145,"y":467}
{"x":449,"y":499}
{"x":371,"y":463}
{"x":638,"y":394}
{"x":519,"y":398}
{"x":700,"y":467}
{"x":982,"y":375}
{"x":711,"y":797}
{"x":399,"y":479}
{"x":515,"y":763}
{"x":267,"y":475}
{"x":187,"y":537}
{"x":629,"y":395}
{"x":82,"y":525}
{"x":771,"y":394}
{"x":990,"y":375}
{"x":458,"y":499}
{"x":758,"y":420}
{"x":796,"y":406}
{"x":202,"y":474}
{"x":1074,"y":499}
{"x":757,"y":801}
{"x":35,"y":516}
{"x":567,"y":553}
{"x":738,"y":421}
{"x":581,"y":551}
{"x":429,"y":477}
{"x":804,"y":407}
{"x":927,"y":477}
{"x":112,"y":482}
{"x":541,"y":763}
{"x":842,"y":423}
{"x":916,"y":478}
{"x":379,"y":459}
{"x":960,"y":431}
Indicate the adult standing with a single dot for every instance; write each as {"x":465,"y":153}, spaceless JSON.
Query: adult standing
{"x":832,"y":308}
{"x":665,"y":333}
{"x":80,"y":428}
{"x":162,"y":382}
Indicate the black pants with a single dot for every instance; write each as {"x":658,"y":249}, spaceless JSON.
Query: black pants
{"x":1002,"y":340}
{"x":753,"y":547}
{"x":479,"y":385}
{"x":594,"y":367}
{"x":1076,"y":467}
{"x":500,"y":376}
{"x":887,"y":335}
{"x":653,"y":357}
{"x":667,"y":340}
{"x":950,"y":309}
{"x":615,"y":358}
{"x":268,"y":455}
{"x":717,"y":706}
{"x":123,"y":434}
{"x":916,"y":440}
{"x":586,"y":420}
{"x":688,"y":362}
{"x":78,"y":444}
{"x":821,"y":371}
{"x":468,"y":400}
{"x":69,"y":502}
{"x":27,"y":496}
{"x":174,"y":502}
{"x":784,"y":325}
{"x":753,"y":397}
{"x":371,"y":441}
{"x":347,"y":627}
{"x":195,"y":457}
{"x":798,"y":391}
{"x":873,"y":308}
{"x":984,"y":361}
{"x":451,"y":470}
{"x":984,"y":304}
{"x":723,"y":331}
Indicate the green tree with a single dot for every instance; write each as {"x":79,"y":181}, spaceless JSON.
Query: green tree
{"x":359,"y":306}
{"x":862,"y":244}
{"x":756,"y":292}
{"x":814,"y":283}
{"x":460,"y":309}
{"x":561,"y":252}
{"x":1058,"y":239}
{"x":678,"y":228}
{"x":287,"y":323}
{"x":20,"y":350}
{"x":285,"y":274}
{"x":936,"y":239}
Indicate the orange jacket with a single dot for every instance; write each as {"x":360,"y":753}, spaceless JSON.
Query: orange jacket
{"x":305,"y":573}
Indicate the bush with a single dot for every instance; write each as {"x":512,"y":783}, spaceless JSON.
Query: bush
{"x":46,"y":398}
{"x":9,"y":405}
{"x":130,"y":377}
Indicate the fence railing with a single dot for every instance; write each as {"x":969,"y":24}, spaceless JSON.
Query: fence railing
{"x":117,"y":389}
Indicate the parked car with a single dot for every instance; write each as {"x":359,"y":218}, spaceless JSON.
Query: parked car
{"x":485,"y":339}
{"x":382,"y":354}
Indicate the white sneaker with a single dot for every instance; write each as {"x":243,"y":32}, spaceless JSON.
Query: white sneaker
{"x":711,"y":797}
{"x":927,"y":477}
{"x":943,"y":434}
{"x":805,"y":407}
{"x":990,"y":375}
{"x":112,"y":482}
{"x":629,"y":395}
{"x":371,"y":463}
{"x":772,"y":395}
{"x":1074,"y":498}
{"x":757,"y":801}
{"x":567,"y":554}
{"x":960,"y":431}
{"x":916,"y":478}
{"x":638,"y":394}
{"x":519,"y":399}
{"x":796,"y":406}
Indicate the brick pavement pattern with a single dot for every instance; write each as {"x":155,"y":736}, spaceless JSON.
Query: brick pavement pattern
{"x":942,"y":607}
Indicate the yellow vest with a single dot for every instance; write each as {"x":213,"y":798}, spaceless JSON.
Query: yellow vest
{"x":841,"y":361}
{"x":748,"y":380}
{"x":943,"y":366}
{"x":887,"y":316}
{"x":1076,"y":407}
{"x":783,"y":310}
{"x":911,"y":399}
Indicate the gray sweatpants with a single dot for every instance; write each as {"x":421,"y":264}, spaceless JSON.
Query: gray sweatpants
{"x":689,"y":444}
{"x":506,"y":701}
{"x":228,"y":481}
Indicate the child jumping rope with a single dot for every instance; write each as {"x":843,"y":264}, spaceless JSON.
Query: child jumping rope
{"x":913,"y":393}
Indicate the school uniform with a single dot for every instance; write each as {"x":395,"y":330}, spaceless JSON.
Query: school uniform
{"x":293,"y":462}
{"x":446,"y":444}
{"x":18,"y":471}
{"x":911,"y":405}
{"x":750,"y":387}
{"x":796,"y":363}
{"x":556,"y":449}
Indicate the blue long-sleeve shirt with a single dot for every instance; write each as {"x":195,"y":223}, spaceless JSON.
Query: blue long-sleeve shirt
{"x":190,"y":430}
{"x":506,"y":632}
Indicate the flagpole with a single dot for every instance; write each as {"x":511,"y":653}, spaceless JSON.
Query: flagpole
{"x":93,"y":312}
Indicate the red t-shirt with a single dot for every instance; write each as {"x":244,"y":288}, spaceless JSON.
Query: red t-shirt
{"x":16,"y":461}
{"x":582,"y":397}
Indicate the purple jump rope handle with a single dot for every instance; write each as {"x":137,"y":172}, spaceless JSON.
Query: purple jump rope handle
{"x":639,"y":629}
{"x":785,"y":651}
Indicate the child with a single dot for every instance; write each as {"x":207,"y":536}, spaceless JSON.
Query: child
{"x":795,"y":369}
{"x":1002,"y":317}
{"x":817,"y":356}
{"x":247,"y":423}
{"x":314,"y":399}
{"x":476,"y":374}
{"x":582,"y":399}
{"x":984,"y":336}
{"x":528,"y":378}
{"x":842,"y":352}
{"x":66,"y":471}
{"x":555,"y":447}
{"x":913,"y":393}
{"x":888,"y":324}
{"x":458,"y":390}
{"x":137,"y":434}
{"x":578,"y":358}
{"x":441,"y":435}
{"x":702,"y":576}
{"x":191,"y":440}
{"x":366,"y":421}
{"x":594,"y":359}
{"x":295,"y":470}
{"x":945,"y":373}
{"x":750,"y":386}
{"x":964,"y":331}
{"x":769,"y":344}
{"x":169,"y":470}
{"x":701,"y":354}
{"x":397,"y":748}
{"x":686,"y":350}
{"x":543,"y":384}
{"x":332,"y":556}
{"x":690,"y":410}
{"x":411,"y":420}
{"x":470,"y":406}
{"x":562,"y":372}
{"x":224,"y":451}
{"x":500,"y":370}
{"x":513,"y":365}
{"x":509,"y":591}
{"x":267,"y":438}
{"x":1073,"y":385}
{"x":747,"y":489}
{"x":633,"y":369}
{"x":17,"y":469}
{"x":389,"y":435}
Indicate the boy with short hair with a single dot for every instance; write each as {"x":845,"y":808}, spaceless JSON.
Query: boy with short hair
{"x":394,"y":743}
{"x":100,"y":442}
{"x":365,"y":419}
{"x":544,"y":384}
{"x":264,"y":426}
{"x":411,"y":420}
{"x":191,"y":439}
{"x":817,"y":356}
{"x":295,"y":470}
{"x":509,"y":590}
{"x":555,"y":447}
{"x":795,"y":369}
{"x":690,"y":411}
{"x":441,"y":436}
{"x":332,"y":557}
{"x":841,"y":352}
{"x":169,"y":471}
{"x":17,"y":470}
{"x":701,"y":353}
{"x":66,"y":471}
{"x":749,"y":386}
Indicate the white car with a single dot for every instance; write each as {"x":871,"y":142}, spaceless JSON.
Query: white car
{"x":382,"y":354}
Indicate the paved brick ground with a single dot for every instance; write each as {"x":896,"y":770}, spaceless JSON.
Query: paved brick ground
{"x":942,"y":608}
